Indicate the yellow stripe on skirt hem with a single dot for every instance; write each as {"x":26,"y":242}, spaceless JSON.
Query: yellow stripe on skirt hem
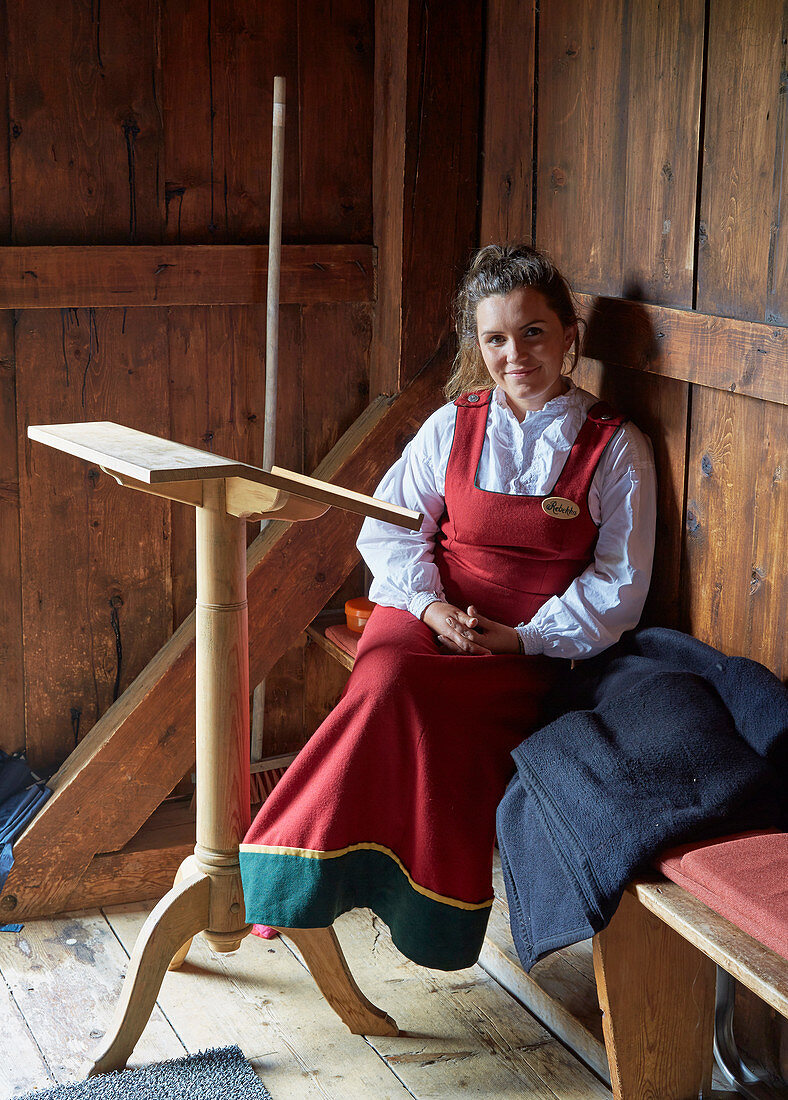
{"x":370,"y":846}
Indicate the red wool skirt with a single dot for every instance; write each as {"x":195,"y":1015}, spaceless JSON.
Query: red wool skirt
{"x":391,"y":805}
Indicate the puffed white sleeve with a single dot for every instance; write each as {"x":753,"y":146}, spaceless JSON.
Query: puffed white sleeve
{"x":402,"y":562}
{"x":608,"y":597}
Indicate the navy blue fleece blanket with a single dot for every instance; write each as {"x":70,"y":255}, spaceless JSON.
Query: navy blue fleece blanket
{"x":666,"y":741}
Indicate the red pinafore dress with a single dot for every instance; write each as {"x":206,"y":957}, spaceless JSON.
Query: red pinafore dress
{"x":391,"y":805}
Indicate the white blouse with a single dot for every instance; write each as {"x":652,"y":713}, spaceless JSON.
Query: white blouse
{"x":526,"y":459}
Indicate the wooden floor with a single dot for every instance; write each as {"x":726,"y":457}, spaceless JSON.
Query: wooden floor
{"x":463,"y":1035}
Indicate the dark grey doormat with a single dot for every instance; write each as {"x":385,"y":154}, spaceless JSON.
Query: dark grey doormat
{"x":222,"y":1074}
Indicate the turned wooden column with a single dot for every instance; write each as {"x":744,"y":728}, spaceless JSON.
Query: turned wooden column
{"x":222,"y":706}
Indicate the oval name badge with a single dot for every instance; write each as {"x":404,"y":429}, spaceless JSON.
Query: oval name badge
{"x":561,"y":508}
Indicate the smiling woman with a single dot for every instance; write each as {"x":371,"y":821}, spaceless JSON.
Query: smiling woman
{"x":524,"y":345}
{"x":536,"y":547}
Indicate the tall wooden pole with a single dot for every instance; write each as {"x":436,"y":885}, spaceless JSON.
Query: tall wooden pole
{"x":274,"y":264}
{"x":271,"y":354}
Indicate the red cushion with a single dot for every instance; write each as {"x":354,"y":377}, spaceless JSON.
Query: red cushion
{"x":742,"y":877}
{"x":346,"y":639}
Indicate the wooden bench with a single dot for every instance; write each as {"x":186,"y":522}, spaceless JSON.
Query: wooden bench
{"x":659,"y":967}
{"x":656,"y":970}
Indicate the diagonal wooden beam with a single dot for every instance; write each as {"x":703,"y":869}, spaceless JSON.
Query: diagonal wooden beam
{"x":142,"y":745}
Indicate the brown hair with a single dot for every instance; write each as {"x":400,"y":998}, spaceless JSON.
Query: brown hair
{"x":500,"y":269}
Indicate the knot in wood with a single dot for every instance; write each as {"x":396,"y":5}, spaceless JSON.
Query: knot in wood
{"x":558,"y":178}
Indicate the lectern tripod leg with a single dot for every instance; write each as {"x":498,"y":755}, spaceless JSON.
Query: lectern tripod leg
{"x":328,"y":966}
{"x":179,"y":915}
{"x":186,"y":870}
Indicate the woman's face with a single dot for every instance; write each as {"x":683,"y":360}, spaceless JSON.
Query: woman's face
{"x":523,"y":344}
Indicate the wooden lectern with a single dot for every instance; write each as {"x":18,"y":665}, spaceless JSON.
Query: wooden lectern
{"x":207,"y":895}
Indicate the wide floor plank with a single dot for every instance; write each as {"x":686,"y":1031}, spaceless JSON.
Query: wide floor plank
{"x":65,"y":976}
{"x":463,"y":1032}
{"x":560,"y":990}
{"x":27,"y":1069}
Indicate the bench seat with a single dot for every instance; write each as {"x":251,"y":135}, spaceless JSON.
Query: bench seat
{"x":344,"y":638}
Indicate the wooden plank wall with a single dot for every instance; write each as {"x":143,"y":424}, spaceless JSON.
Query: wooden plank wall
{"x":652,"y":142}
{"x":650,"y":166}
{"x":150,"y":124}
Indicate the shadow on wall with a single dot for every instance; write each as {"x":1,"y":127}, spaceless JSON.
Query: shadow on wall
{"x":621,"y":349}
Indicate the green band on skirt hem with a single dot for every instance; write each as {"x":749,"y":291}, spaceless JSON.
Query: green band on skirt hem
{"x":292,"y":891}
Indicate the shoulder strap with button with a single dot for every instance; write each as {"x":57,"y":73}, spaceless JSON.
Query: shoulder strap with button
{"x":601,"y":424}
{"x":475,"y":399}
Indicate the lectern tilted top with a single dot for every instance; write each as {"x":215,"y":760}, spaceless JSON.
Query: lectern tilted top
{"x":207,"y":896}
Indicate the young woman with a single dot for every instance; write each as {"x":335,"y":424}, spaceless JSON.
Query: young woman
{"x":536,"y":548}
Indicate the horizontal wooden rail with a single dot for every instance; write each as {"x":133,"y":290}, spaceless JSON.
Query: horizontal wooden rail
{"x":63,"y":276}
{"x":722,"y":353}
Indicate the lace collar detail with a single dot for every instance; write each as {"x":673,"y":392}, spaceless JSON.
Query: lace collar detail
{"x":556,"y":406}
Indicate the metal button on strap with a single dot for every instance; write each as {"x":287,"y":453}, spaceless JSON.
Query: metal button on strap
{"x":473,"y":398}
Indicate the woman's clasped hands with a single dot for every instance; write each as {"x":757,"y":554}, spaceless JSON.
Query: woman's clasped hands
{"x":468,"y":632}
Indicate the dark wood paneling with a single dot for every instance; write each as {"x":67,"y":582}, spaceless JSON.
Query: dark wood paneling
{"x":336,"y":381}
{"x":335,"y":117}
{"x":616,"y":210}
{"x":735,"y":586}
{"x":664,"y":55}
{"x":742,"y":263}
{"x":186,"y":91}
{"x":619,"y":104}
{"x":440,"y":173}
{"x":250,"y":44}
{"x":218,"y":64}
{"x":509,"y":102}
{"x":12,"y":736}
{"x":284,"y":729}
{"x":427,"y":118}
{"x":581,"y":141}
{"x":325,"y":682}
{"x":68,"y":277}
{"x":85,"y":145}
{"x":95,"y":562}
{"x":85,"y":122}
{"x":735,"y":589}
{"x":219,"y":61}
{"x":388,"y":173}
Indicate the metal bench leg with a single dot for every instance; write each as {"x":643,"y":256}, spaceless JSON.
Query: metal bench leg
{"x":726,"y":1052}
